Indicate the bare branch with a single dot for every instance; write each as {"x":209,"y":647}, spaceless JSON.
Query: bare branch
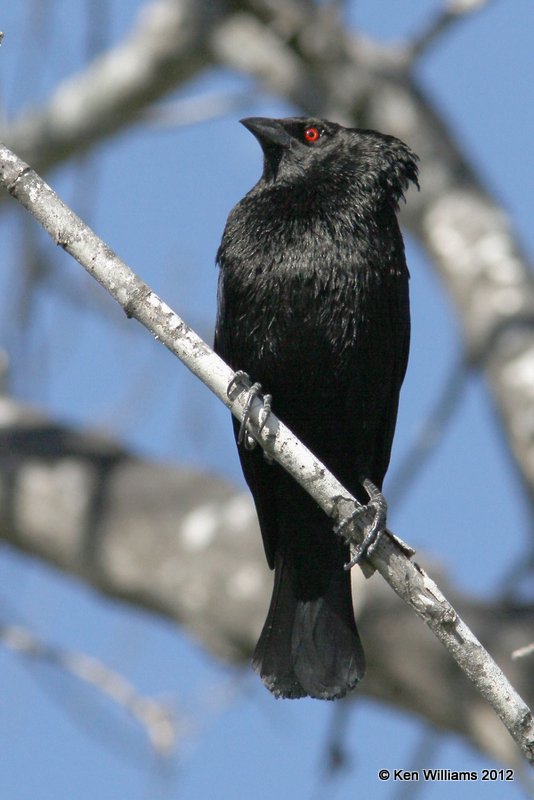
{"x":461,"y":227}
{"x":154,"y":716}
{"x":523,"y":652}
{"x":166,"y":47}
{"x":79,"y":502}
{"x":196,"y":109}
{"x":408,"y":580}
{"x":452,"y":12}
{"x":430,"y":433}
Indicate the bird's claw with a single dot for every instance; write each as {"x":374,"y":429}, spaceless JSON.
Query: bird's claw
{"x":244,"y":437}
{"x":378,"y":507}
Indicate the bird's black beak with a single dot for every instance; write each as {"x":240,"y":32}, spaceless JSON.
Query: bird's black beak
{"x":267,"y":131}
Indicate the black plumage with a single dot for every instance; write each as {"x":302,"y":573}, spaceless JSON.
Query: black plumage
{"x":313,"y":303}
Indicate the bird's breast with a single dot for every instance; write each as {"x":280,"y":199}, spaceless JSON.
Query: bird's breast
{"x":303,"y":290}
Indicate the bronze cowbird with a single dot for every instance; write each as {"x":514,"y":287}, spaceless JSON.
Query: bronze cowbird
{"x":313,"y":303}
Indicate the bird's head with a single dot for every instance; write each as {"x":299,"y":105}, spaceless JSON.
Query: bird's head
{"x":324,"y":153}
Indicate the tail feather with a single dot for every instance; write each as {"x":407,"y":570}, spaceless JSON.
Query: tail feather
{"x":309,"y":644}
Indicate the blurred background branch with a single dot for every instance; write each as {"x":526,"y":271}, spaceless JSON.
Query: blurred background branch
{"x":119,"y":111}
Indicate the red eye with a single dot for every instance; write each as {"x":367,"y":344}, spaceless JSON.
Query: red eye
{"x":312,"y":134}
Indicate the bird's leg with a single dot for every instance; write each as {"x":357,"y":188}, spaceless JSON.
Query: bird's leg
{"x":244,"y":438}
{"x":377,"y":506}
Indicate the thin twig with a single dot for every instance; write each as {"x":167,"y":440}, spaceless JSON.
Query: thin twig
{"x":430,"y":433}
{"x":425,"y":749}
{"x":337,"y":757}
{"x":154,"y":716}
{"x":523,"y":652}
{"x":408,"y":580}
{"x":200,"y":108}
{"x":440,"y":23}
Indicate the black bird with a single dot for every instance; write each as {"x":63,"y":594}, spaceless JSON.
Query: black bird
{"x":313,"y":303}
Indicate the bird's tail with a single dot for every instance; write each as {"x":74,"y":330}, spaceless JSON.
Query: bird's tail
{"x":309,"y":644}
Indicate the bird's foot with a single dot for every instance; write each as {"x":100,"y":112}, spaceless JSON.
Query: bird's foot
{"x":377,"y":507}
{"x":253,"y":390}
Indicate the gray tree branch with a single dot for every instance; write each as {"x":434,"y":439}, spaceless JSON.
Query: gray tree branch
{"x":462,"y":228}
{"x":166,"y":47}
{"x":187,"y":546}
{"x":407,"y":579}
{"x":304,"y":53}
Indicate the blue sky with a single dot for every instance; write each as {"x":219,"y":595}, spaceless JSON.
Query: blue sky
{"x":160,"y":199}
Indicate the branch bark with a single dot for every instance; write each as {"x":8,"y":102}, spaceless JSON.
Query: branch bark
{"x":304,"y":53}
{"x":465,"y":233}
{"x":166,"y":47}
{"x":408,"y":580}
{"x":87,"y":506}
